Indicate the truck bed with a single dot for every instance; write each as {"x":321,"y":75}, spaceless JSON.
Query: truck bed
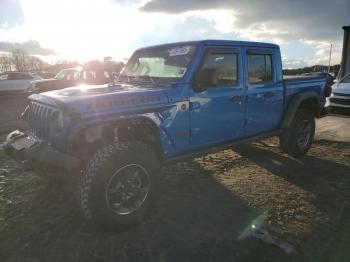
{"x":303,"y":83}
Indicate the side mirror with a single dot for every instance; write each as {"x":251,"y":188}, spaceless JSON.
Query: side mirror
{"x":204,"y":78}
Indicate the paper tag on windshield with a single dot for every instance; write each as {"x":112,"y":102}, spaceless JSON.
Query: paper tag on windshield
{"x":180,"y":51}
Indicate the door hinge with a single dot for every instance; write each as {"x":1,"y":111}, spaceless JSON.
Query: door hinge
{"x":194,"y":105}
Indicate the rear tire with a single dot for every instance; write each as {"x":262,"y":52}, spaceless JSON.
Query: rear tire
{"x":120,"y":184}
{"x":298,"y":138}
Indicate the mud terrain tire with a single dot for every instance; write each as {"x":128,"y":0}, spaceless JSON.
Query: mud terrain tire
{"x":298,"y":138}
{"x":114,"y":184}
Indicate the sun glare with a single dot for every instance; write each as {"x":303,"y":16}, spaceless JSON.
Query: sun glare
{"x":85,"y":29}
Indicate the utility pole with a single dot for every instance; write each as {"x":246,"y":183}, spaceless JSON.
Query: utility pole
{"x":330,"y":57}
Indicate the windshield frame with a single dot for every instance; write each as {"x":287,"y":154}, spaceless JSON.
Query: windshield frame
{"x":158,"y":79}
{"x":347,"y":76}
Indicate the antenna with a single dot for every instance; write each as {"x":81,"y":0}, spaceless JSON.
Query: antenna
{"x":330,"y":57}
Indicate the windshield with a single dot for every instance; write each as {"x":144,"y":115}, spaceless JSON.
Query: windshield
{"x":164,"y":63}
{"x":68,"y":74}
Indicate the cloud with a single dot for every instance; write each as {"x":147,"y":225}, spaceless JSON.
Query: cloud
{"x":10,"y":13}
{"x":313,"y":19}
{"x":32,"y":47}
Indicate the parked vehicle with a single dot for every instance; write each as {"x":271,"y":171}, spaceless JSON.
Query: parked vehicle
{"x":340,"y":97}
{"x":171,"y":102}
{"x":12,"y":83}
{"x":72,"y":77}
{"x":46,"y":75}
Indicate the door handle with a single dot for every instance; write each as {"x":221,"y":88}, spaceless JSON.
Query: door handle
{"x":236,"y":99}
{"x":268,"y":94}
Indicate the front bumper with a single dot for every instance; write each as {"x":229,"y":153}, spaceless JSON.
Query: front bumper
{"x":27,"y":149}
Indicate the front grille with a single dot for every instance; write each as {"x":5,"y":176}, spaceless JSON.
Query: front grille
{"x":38,"y":117}
{"x":340,"y":94}
{"x":340,"y":101}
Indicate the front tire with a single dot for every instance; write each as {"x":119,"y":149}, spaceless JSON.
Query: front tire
{"x":298,"y":138}
{"x":120,"y":184}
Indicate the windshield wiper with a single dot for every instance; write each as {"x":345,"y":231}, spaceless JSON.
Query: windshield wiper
{"x":154,"y":82}
{"x":140,"y":79}
{"x":122,"y":77}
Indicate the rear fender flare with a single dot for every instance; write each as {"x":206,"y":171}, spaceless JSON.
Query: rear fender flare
{"x":294,"y":105}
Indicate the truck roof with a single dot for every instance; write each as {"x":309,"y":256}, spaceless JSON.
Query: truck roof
{"x":217,"y":42}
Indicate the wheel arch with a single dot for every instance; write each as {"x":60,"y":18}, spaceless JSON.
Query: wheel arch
{"x":90,"y":136}
{"x":307,"y":100}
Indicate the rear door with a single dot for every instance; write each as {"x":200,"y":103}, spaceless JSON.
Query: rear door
{"x":264,"y":91}
{"x":21,"y":81}
{"x":217,"y":114}
{"x":5,"y":83}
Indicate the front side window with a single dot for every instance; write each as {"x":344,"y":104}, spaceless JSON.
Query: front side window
{"x":89,"y":75}
{"x":225,"y":67}
{"x":259,"y":68}
{"x":162,"y":63}
{"x":62,"y":74}
{"x":68,"y":75}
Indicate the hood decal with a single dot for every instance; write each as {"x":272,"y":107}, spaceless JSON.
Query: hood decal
{"x":123,"y":102}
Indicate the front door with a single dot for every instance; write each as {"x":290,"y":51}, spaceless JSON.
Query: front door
{"x":217,"y":114}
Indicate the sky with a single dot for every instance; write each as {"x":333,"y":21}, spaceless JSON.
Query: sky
{"x":92,"y":29}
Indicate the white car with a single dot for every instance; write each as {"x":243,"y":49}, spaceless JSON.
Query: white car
{"x":15,"y":82}
{"x":340,"y":96}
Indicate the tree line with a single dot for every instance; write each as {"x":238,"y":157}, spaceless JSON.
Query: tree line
{"x":334,"y":69}
{"x":19,"y":60}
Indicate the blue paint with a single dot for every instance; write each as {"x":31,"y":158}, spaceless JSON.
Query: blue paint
{"x":187,"y":120}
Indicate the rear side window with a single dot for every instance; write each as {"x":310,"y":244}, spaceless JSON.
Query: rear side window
{"x":4,"y":77}
{"x":225,"y":65}
{"x":259,"y":68}
{"x":20,"y":76}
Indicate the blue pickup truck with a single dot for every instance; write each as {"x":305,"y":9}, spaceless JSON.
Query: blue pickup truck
{"x":170,"y":102}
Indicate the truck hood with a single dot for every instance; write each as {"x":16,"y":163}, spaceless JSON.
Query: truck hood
{"x":341,"y":88}
{"x":47,"y":84}
{"x":97,"y":99}
{"x":44,"y":80}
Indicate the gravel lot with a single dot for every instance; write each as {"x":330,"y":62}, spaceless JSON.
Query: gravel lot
{"x":207,"y":211}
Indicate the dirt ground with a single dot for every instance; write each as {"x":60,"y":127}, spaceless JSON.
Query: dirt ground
{"x":248,"y":203}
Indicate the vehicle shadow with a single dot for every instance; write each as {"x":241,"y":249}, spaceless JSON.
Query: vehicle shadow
{"x":306,"y":172}
{"x":196,"y":219}
{"x":326,"y":182}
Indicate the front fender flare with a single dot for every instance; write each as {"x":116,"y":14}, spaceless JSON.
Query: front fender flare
{"x":164,"y":139}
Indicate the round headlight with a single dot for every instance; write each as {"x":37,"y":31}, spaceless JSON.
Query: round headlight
{"x":57,"y":121}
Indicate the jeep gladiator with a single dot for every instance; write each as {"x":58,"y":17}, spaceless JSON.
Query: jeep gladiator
{"x":170,"y":102}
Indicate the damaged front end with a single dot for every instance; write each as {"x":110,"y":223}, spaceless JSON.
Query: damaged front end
{"x":34,"y":145}
{"x":27,"y":150}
